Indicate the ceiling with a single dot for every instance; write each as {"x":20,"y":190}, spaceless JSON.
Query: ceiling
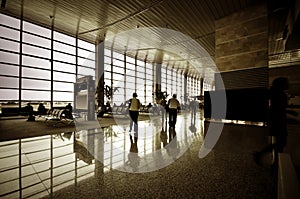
{"x":168,"y":31}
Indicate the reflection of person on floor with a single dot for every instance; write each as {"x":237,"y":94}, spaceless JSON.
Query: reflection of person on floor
{"x":29,"y":110}
{"x":278,"y":120}
{"x":133,"y":157}
{"x":173,"y":107}
{"x":193,"y":107}
{"x":164,"y":137}
{"x":163,"y":106}
{"x":134,"y":106}
{"x":173,"y":147}
{"x":193,"y":128}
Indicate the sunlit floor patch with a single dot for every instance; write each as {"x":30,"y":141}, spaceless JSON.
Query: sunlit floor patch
{"x":45,"y":164}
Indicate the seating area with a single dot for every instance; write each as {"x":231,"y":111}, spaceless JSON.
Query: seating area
{"x":59,"y":116}
{"x":122,"y":110}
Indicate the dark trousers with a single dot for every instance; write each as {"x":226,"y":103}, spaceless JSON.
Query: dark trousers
{"x":172,"y":117}
{"x":134,"y":120}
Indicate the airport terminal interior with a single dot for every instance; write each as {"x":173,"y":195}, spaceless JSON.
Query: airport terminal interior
{"x":148,"y":98}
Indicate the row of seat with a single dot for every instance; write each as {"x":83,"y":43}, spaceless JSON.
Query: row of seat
{"x":60,"y":116}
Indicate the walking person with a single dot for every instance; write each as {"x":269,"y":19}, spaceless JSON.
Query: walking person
{"x":134,"y":106}
{"x":173,"y":107}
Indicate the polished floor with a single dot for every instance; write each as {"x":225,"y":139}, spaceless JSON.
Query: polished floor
{"x":109,"y":162}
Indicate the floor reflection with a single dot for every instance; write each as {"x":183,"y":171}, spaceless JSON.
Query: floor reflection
{"x":39,"y":166}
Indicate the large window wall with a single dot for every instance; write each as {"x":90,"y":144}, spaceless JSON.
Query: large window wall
{"x":40,"y":65}
{"x":193,"y":86}
{"x":172,"y":81}
{"x":126,"y":75}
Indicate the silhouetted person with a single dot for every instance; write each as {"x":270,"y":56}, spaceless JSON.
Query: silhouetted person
{"x":69,"y":107}
{"x":278,"y":120}
{"x":41,"y":109}
{"x":149,"y":105}
{"x":107,"y":107}
{"x":173,"y":107}
{"x":68,"y":111}
{"x":134,"y":106}
{"x":29,"y":110}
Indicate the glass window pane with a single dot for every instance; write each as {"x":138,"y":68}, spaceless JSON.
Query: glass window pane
{"x":140,"y":74}
{"x":64,"y":38}
{"x":86,"y":54}
{"x":10,"y":82}
{"x":36,"y":62}
{"x":107,"y":60}
{"x":130,"y":60}
{"x":130,"y":72}
{"x":117,"y":55}
{"x":29,"y":27}
{"x":9,"y":57}
{"x":32,"y":39}
{"x":118,"y":63}
{"x":9,"y":21}
{"x":7,"y":94}
{"x":149,"y":66}
{"x":9,"y":70}
{"x":107,"y":52}
{"x":107,"y":82}
{"x":32,"y":50}
{"x":63,"y":86}
{"x":64,"y":57}
{"x":58,"y":66}
{"x":36,"y":84}
{"x":119,"y":84}
{"x":130,"y":86}
{"x":9,"y":45}
{"x":36,"y":73}
{"x":118,"y":76}
{"x":36,"y":95}
{"x":9,"y":33}
{"x":129,"y":91}
{"x":64,"y":48}
{"x":140,"y":63}
{"x":86,"y":62}
{"x":86,"y":45}
{"x":130,"y":66}
{"x":86,"y":71}
{"x":64,"y":77}
{"x":63,"y":96}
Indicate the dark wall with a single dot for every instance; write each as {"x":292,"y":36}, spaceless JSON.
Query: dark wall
{"x":242,"y":104}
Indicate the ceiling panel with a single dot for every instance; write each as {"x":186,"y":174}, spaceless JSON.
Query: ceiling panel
{"x":95,"y":20}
